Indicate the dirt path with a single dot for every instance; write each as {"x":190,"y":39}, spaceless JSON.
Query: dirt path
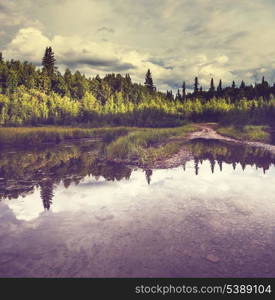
{"x":206,"y":131}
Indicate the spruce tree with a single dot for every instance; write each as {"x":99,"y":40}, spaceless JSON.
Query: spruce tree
{"x":242,"y":86}
{"x":183,"y":91}
{"x":233,"y":85}
{"x":149,"y":81}
{"x":1,"y":58}
{"x":48,"y":61}
{"x":219,"y":88}
{"x":212,"y":89}
{"x":196,"y":85}
{"x":264,"y":83}
{"x":212,"y":86}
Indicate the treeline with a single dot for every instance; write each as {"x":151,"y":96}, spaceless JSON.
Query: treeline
{"x":234,"y":93}
{"x":33,"y":96}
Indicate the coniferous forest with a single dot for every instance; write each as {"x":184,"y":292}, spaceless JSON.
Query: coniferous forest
{"x":33,"y":96}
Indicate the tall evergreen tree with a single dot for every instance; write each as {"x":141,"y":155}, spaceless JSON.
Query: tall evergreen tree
{"x":212,"y":86}
{"x":183,"y":91}
{"x":211,"y":91}
{"x":1,"y":58}
{"x":48,"y":61}
{"x":219,"y":88}
{"x":242,"y":86}
{"x":264,"y":83}
{"x":149,"y":81}
{"x":196,"y":86}
{"x":233,"y":84}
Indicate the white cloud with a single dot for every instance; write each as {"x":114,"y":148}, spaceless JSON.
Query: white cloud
{"x":177,"y":39}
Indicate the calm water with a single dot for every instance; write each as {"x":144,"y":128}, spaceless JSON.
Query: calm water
{"x":63,"y":212}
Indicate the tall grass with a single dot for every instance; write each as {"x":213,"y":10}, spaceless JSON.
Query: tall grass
{"x":122,"y":143}
{"x":144,"y":145}
{"x":33,"y":136}
{"x":248,"y":132}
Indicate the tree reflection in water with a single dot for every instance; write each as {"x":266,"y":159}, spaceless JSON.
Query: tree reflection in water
{"x":23,"y":170}
{"x":217,"y":153}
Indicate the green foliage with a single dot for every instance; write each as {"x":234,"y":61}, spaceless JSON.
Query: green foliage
{"x":35,"y":136}
{"x":248,"y":132}
{"x":29,"y":96}
{"x":48,"y":61}
{"x":142,"y":146}
{"x":149,"y":82}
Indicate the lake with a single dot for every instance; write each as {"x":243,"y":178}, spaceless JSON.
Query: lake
{"x":66,"y":213}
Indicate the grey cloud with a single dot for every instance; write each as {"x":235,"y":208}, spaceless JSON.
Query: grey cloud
{"x":97,"y":63}
{"x":170,"y":34}
{"x":160,"y":62}
{"x":106,"y":29}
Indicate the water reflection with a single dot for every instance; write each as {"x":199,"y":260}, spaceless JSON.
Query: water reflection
{"x":23,"y":171}
{"x":218,"y":152}
{"x":182,"y":224}
{"x":46,"y":193}
{"x":77,"y":215}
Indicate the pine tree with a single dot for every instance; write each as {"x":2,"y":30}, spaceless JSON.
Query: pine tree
{"x":196,"y":85}
{"x":1,"y":58}
{"x":149,"y":81}
{"x":264,"y":83}
{"x":264,"y":88}
{"x":48,"y":61}
{"x":242,"y":86}
{"x":233,"y":85}
{"x":219,"y":88}
{"x":212,"y":86}
{"x":169,"y":95}
{"x":183,"y":91}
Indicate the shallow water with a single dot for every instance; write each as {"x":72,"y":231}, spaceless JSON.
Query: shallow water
{"x":72,"y":216}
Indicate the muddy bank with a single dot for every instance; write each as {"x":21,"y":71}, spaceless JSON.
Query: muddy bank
{"x":206,"y":131}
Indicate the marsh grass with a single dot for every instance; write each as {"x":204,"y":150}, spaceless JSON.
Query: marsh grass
{"x":141,"y":145}
{"x":34,"y":136}
{"x":145,"y":145}
{"x":248,"y":132}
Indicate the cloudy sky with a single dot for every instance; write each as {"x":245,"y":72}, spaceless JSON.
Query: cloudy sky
{"x":176,"y":39}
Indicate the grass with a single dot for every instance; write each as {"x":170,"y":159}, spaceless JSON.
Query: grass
{"x":144,"y":146}
{"x":248,"y":132}
{"x":33,"y":136}
{"x":122,"y":143}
